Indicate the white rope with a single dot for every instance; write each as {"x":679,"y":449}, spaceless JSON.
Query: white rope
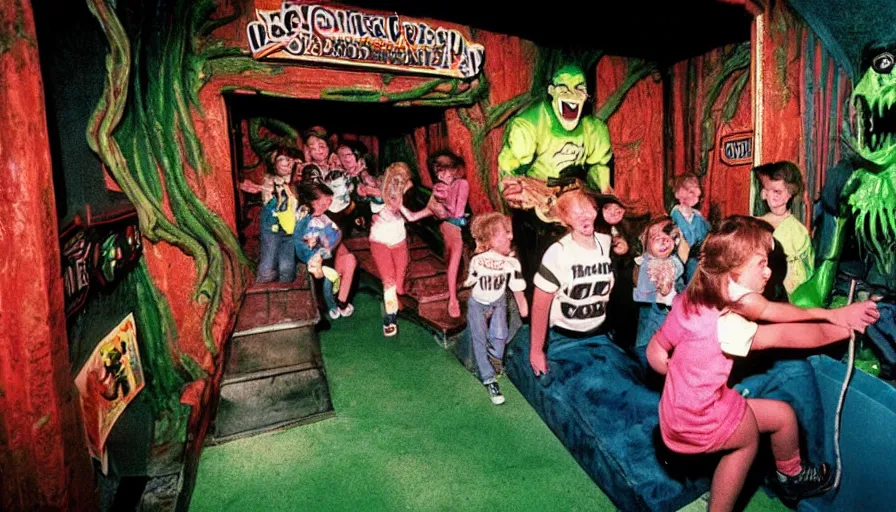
{"x":846,"y":379}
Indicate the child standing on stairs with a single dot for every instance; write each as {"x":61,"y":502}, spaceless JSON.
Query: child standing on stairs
{"x":447,"y":203}
{"x":709,"y":325}
{"x":317,"y":241}
{"x":388,"y":241}
{"x":492,"y":271}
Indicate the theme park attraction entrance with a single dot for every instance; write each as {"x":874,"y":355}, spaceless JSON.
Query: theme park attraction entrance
{"x":271,"y":381}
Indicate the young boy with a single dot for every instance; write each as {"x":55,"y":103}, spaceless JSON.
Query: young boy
{"x":781,"y":182}
{"x":492,"y":271}
{"x":692,"y":225}
{"x":572,"y":289}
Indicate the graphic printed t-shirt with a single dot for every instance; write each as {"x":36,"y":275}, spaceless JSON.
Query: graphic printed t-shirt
{"x":491,"y":273}
{"x":582,"y":279}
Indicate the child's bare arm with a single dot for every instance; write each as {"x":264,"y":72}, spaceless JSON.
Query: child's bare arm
{"x":657,"y":356}
{"x":856,"y":316}
{"x":521,"y":303}
{"x":798,"y":335}
{"x":415,"y":216}
{"x":541,"y":307}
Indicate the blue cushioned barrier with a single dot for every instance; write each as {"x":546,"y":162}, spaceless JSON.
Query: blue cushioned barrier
{"x":598,"y":402}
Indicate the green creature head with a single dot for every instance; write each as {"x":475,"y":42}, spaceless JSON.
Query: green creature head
{"x":569,"y":92}
{"x":874,"y":103}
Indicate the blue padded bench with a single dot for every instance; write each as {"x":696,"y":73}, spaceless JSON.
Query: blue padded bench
{"x":600,"y":405}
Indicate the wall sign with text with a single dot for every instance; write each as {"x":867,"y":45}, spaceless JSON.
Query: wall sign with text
{"x":330,"y":34}
{"x":737,"y":148}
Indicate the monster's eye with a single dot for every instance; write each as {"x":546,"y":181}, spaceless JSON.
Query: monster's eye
{"x":883,"y":63}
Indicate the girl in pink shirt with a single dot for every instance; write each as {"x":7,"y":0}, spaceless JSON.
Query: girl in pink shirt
{"x":711,"y":323}
{"x":448,"y":202}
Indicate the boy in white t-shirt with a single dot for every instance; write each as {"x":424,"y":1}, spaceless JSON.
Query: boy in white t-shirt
{"x":492,"y":270}
{"x":573,"y":283}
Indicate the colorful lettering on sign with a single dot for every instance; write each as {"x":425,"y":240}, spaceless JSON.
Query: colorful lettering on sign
{"x":328,"y":34}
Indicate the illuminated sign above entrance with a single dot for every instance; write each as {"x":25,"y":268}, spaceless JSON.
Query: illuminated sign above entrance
{"x":329,"y":34}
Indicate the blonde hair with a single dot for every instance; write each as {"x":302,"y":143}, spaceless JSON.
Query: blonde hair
{"x":400,"y":171}
{"x":485,"y":226}
{"x":566,"y":201}
{"x":724,"y":251}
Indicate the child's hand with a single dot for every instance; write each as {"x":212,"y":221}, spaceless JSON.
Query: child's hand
{"x":856,"y":316}
{"x":250,"y":187}
{"x":538,"y":363}
{"x":620,"y":246}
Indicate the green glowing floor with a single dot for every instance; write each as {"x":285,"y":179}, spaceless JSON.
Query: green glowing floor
{"x":413,"y":431}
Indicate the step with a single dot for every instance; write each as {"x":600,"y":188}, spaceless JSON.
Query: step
{"x":270,"y":400}
{"x":268,"y":350}
{"x":428,"y":289}
{"x":434,"y":317}
{"x":425,"y":267}
{"x":269,"y":309}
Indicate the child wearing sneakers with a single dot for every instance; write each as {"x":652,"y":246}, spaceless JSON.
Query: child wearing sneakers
{"x":710,"y":325}
{"x":388,"y":241}
{"x":317,"y":241}
{"x":492,"y":271}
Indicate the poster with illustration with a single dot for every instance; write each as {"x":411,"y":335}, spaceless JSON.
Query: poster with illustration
{"x":108,"y":382}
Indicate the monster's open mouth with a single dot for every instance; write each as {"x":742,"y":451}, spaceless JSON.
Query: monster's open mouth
{"x":876,"y":124}
{"x":569,"y":110}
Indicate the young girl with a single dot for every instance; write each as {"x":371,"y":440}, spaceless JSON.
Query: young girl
{"x":572,"y":285}
{"x":388,"y":241}
{"x":448,"y":201}
{"x":689,"y":220}
{"x":317,"y":241}
{"x":781,"y":182}
{"x":492,"y":271}
{"x":708,"y":325}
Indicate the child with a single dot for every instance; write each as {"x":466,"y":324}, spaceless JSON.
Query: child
{"x":612,"y":212}
{"x":659,"y":278}
{"x":388,"y":241}
{"x":317,"y":149}
{"x":351,"y":156}
{"x":705,"y":329}
{"x":492,"y":270}
{"x":690,"y":222}
{"x":448,"y":201}
{"x":365,"y":189}
{"x":572,"y":285}
{"x":781,"y":182}
{"x":317,"y":240}
{"x":276,"y":261}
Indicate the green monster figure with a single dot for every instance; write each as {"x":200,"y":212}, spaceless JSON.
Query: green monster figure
{"x":862,"y":189}
{"x":549,"y":136}
{"x":549,"y":147}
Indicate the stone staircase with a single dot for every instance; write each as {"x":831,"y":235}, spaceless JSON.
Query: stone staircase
{"x":274,"y":375}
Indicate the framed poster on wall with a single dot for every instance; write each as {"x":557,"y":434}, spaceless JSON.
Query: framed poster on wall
{"x":109,"y":380}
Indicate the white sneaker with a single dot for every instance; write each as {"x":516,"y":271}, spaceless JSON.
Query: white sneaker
{"x":334,"y":313}
{"x":494,"y":392}
{"x":347,"y":310}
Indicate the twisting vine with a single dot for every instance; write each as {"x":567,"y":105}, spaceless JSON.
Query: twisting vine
{"x":148,"y":142}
